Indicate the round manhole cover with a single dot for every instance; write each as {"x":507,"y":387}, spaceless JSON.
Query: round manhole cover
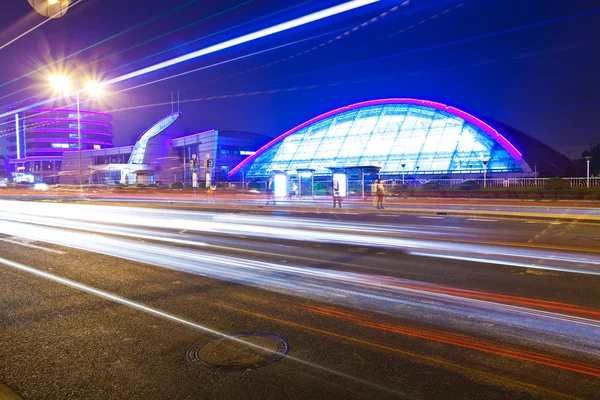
{"x":238,"y":351}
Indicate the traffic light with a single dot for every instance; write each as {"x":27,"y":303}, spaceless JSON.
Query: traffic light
{"x":205,"y":163}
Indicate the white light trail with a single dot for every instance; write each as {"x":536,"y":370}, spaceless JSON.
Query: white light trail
{"x":37,"y":26}
{"x":307,"y":19}
{"x":158,"y":313}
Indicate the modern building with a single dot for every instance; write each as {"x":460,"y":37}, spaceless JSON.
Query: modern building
{"x":403,"y":137}
{"x":38,"y":138}
{"x":163,"y":154}
{"x":3,"y":170}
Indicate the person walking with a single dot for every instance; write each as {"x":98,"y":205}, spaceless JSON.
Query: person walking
{"x":337,"y":198}
{"x":380,"y":192}
{"x":212,"y":192}
{"x":270,"y":191}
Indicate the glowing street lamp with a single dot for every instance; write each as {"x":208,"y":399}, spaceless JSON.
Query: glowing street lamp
{"x":50,"y":8}
{"x":62,"y":84}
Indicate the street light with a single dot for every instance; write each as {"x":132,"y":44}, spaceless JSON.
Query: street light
{"x":403,"y":165}
{"x":62,"y":84}
{"x":588,"y":158}
{"x":50,"y":8}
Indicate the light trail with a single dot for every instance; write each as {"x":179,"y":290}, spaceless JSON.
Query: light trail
{"x":315,"y":232}
{"x":401,"y":298}
{"x":210,"y":35}
{"x":161,"y":314}
{"x":175,"y":76}
{"x":461,"y":340}
{"x":307,"y":19}
{"x":71,"y":5}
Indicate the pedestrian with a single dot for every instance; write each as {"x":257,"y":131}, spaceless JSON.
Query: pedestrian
{"x":337,"y":197}
{"x":212,"y":192}
{"x":380,"y":192}
{"x":270,"y":191}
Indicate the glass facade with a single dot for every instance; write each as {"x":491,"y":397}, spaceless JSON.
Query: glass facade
{"x":424,"y":138}
{"x":139,"y":151}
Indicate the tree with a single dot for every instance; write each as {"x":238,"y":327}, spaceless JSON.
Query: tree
{"x":594,"y":152}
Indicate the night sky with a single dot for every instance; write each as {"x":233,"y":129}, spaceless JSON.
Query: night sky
{"x":531,"y":64}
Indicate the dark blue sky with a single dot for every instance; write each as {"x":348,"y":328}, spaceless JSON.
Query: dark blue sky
{"x":531,"y":64}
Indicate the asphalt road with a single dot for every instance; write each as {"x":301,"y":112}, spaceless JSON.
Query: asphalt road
{"x":104,"y":302}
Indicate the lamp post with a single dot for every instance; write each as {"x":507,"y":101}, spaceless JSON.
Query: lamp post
{"x":62,"y":84}
{"x":587,"y":159}
{"x":485,"y":163}
{"x":403,"y":165}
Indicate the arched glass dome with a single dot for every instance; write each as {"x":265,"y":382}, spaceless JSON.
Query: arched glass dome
{"x":427,"y":137}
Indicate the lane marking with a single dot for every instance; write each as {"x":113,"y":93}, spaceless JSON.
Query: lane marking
{"x":185,"y":322}
{"x":432,"y":217}
{"x":482,"y":220}
{"x":33,"y":246}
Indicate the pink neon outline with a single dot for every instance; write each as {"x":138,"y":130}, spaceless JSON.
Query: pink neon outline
{"x":195,"y":134}
{"x":101,"y":133}
{"x":438,"y":106}
{"x":83,"y":121}
{"x":35,"y":158}
{"x":43,"y":110}
{"x":53,"y":151}
{"x":46,"y":140}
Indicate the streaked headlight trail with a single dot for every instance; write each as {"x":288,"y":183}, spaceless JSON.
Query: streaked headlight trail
{"x":307,"y":19}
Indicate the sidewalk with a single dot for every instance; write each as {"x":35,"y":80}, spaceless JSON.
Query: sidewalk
{"x":581,"y":212}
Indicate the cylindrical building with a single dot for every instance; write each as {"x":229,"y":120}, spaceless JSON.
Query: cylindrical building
{"x":38,"y":138}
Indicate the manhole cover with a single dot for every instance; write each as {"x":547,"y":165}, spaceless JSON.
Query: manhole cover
{"x":247,"y":350}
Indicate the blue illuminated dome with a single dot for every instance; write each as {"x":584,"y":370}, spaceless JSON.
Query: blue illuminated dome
{"x":426,"y":137}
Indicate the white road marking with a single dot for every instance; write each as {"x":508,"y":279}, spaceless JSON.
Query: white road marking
{"x":482,"y":220}
{"x":433,"y":217}
{"x":33,"y":246}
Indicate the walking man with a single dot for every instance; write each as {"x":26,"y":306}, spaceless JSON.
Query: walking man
{"x":212,"y":192}
{"x":380,"y":192}
{"x":337,"y":198}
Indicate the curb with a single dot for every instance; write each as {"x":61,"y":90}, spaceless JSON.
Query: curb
{"x":7,"y":394}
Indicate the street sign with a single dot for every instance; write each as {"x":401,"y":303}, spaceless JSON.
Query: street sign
{"x":195,"y":179}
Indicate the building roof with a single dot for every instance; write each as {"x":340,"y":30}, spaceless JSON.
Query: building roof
{"x":470,"y":142}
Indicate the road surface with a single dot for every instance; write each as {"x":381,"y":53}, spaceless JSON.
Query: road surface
{"x":108,"y":302}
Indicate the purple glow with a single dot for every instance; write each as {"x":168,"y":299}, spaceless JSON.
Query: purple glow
{"x":54,"y":140}
{"x":37,"y":130}
{"x":36,"y":158}
{"x":44,"y":110}
{"x":55,"y":151}
{"x":426,"y":103}
{"x":72,"y":121}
